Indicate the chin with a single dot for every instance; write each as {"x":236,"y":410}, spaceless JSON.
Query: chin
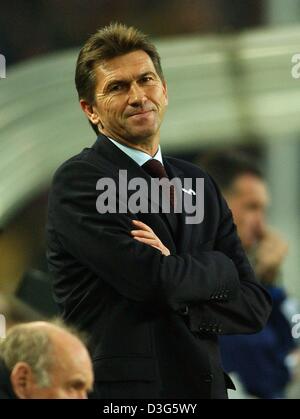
{"x":138,"y":136}
{"x":142,"y":130}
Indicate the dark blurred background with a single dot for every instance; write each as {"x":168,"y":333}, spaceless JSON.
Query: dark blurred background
{"x":31,"y":28}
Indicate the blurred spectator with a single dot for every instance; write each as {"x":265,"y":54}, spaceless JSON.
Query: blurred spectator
{"x":260,"y":360}
{"x":41,"y":360}
{"x":242,"y":184}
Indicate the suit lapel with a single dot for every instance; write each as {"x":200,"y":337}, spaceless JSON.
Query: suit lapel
{"x":120,"y":161}
{"x":184,"y":230}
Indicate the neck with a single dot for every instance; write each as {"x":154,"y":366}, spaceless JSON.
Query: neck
{"x":149,"y":146}
{"x":150,"y":149}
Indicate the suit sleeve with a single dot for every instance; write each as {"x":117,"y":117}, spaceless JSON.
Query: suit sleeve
{"x":246,"y":311}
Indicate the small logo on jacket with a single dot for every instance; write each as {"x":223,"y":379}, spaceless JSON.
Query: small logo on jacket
{"x":190,"y":191}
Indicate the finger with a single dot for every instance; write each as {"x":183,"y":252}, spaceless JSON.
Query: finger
{"x":156,"y":247}
{"x":142,"y":225}
{"x":147,"y":241}
{"x":143,"y":233}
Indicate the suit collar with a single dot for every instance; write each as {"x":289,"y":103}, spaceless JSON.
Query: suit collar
{"x":172,"y":170}
{"x":108,"y":149}
{"x":140,"y":157}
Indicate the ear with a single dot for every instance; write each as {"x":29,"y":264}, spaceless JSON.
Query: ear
{"x":21,"y":380}
{"x":165,"y":90}
{"x":90,"y":112}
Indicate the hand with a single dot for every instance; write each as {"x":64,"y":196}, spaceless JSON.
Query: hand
{"x":270,"y":254}
{"x":145,"y":234}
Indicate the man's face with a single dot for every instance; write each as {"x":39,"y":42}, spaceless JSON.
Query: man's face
{"x":70,"y":378}
{"x":130,"y":98}
{"x":248,"y":200}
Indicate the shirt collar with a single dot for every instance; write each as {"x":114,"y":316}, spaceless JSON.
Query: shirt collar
{"x":140,"y":157}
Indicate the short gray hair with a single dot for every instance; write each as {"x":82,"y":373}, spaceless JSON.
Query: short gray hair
{"x":29,"y":345}
{"x":35,"y":347}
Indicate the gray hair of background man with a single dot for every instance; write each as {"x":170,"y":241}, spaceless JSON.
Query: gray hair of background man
{"x":34,"y":347}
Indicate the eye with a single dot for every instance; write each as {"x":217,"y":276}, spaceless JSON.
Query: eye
{"x":116,"y":88}
{"x":77,"y":385}
{"x":147,"y":79}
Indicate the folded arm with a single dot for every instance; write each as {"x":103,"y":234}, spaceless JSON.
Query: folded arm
{"x":138,"y":271}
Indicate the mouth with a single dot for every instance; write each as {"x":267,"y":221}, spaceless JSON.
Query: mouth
{"x":140,"y":114}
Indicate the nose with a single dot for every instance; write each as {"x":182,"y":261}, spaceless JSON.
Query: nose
{"x":137,"y":95}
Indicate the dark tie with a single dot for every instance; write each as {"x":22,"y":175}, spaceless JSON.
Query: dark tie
{"x":156,"y":170}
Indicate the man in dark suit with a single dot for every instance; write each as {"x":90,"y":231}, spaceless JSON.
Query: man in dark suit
{"x":152,"y":291}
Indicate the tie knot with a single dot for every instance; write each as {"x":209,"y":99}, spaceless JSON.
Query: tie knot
{"x":155,"y":169}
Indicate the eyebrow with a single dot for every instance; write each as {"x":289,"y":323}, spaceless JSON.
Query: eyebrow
{"x":124,"y":81}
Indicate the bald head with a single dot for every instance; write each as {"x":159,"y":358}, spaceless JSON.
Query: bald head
{"x":61,"y":337}
{"x":47,"y":360}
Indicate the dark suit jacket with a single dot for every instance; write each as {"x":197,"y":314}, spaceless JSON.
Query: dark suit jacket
{"x":153,"y":321}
